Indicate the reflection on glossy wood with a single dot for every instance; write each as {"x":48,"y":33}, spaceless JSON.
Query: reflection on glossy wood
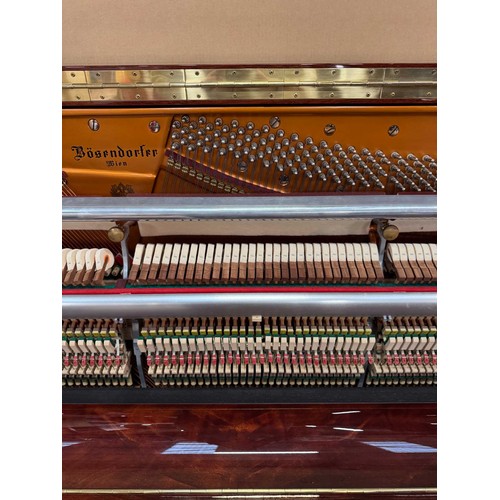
{"x":244,"y":447}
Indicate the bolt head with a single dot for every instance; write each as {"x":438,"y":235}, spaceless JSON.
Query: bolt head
{"x":390,"y":232}
{"x":393,"y":130}
{"x":94,"y":124}
{"x":116,"y":234}
{"x":154,"y":126}
{"x":330,"y":129}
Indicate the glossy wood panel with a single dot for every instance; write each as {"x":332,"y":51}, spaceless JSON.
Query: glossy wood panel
{"x":249,"y":447}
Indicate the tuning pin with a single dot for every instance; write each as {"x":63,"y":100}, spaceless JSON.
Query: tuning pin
{"x":428,"y":158}
{"x":265,"y":129}
{"x":397,"y":183}
{"x":285,"y":142}
{"x":176,"y":124}
{"x":193,"y":125}
{"x":218,"y":122}
{"x":299,"y":145}
{"x":241,"y":131}
{"x":351,"y":150}
{"x":209,"y":126}
{"x":185,"y":119}
{"x":294,"y":137}
{"x":337,"y":147}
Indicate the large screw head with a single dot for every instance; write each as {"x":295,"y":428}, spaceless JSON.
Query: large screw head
{"x":393,"y":130}
{"x":390,"y":232}
{"x":154,"y":126}
{"x":116,"y":234}
{"x":275,"y":121}
{"x":330,"y":129}
{"x":94,"y":124}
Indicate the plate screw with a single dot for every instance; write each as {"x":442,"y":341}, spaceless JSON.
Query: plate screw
{"x":154,"y":126}
{"x":275,"y":122}
{"x":94,"y":124}
{"x":284,"y":180}
{"x":330,"y":129}
{"x":393,"y":130}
